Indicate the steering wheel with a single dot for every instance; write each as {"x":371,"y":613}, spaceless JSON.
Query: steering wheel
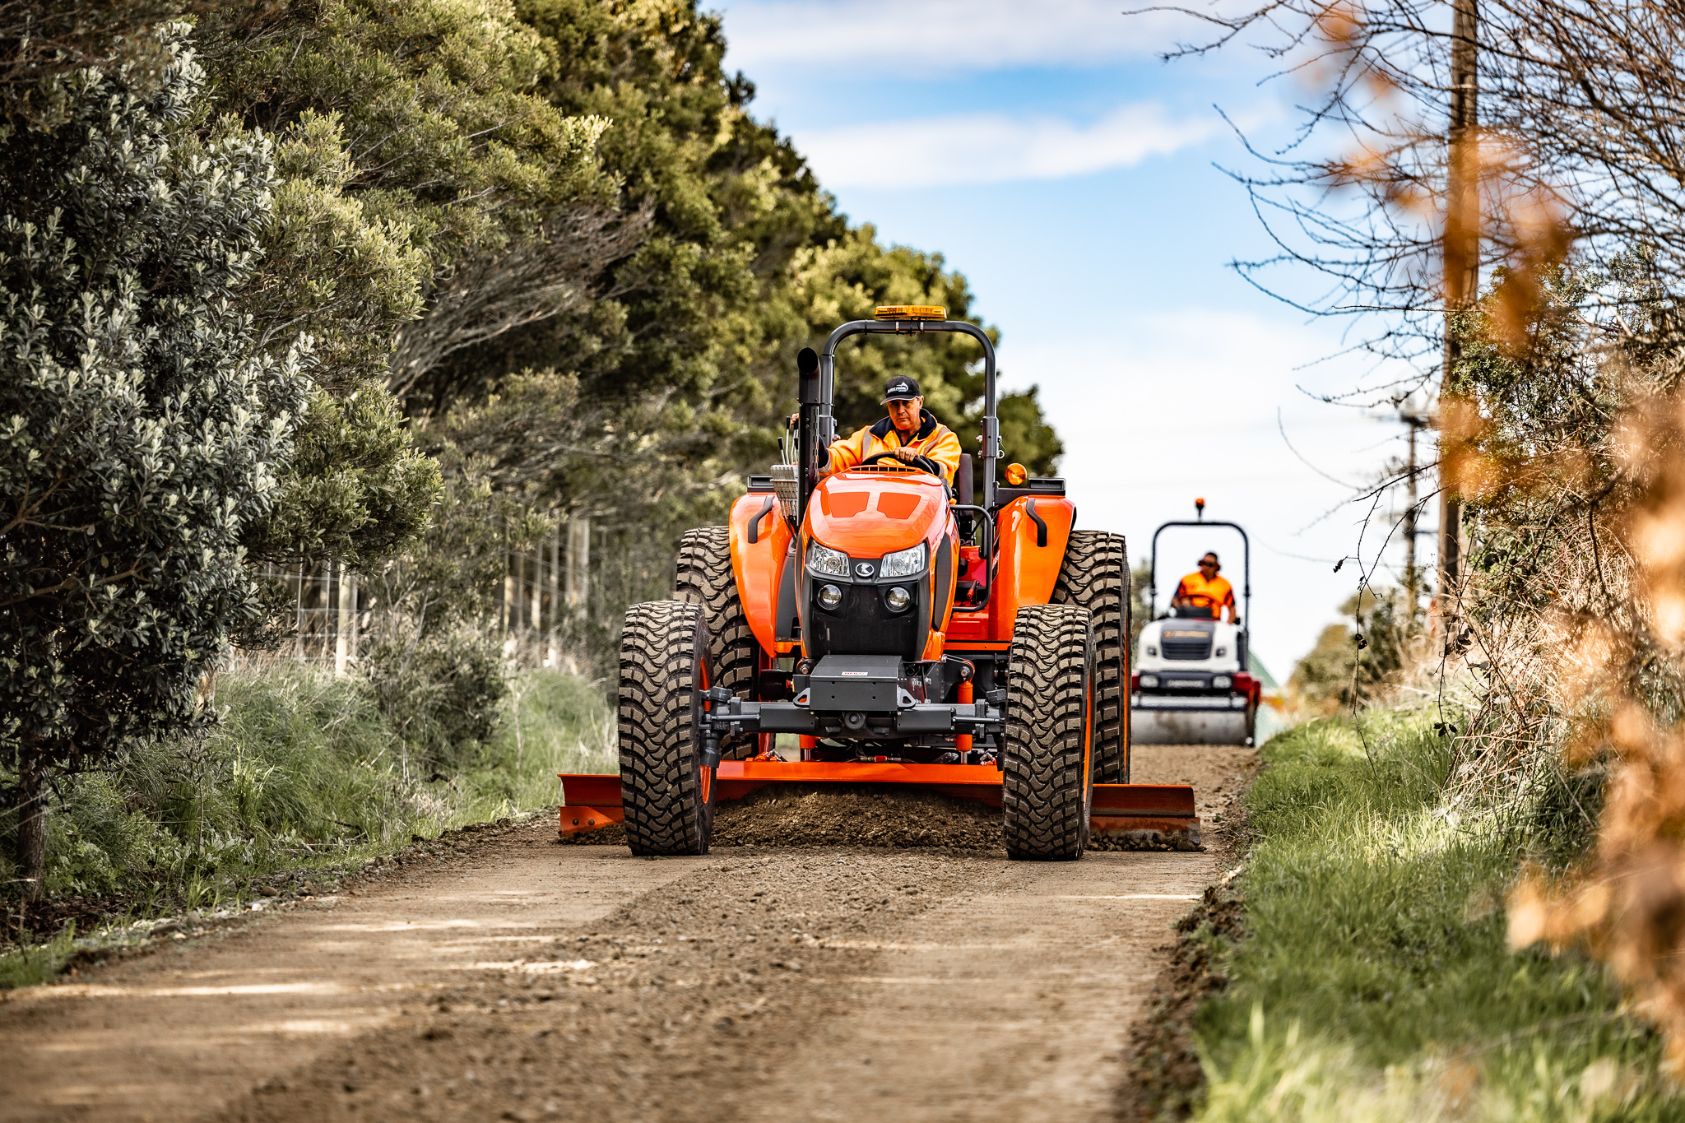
{"x":922,"y":463}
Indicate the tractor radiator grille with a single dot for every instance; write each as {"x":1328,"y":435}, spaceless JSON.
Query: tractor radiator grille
{"x":1187,"y":648}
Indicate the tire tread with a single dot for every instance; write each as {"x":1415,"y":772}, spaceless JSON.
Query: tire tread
{"x":1045,"y":795}
{"x":1095,"y":575}
{"x":704,"y":576}
{"x":661,"y":646}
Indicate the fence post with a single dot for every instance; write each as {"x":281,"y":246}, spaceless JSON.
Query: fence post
{"x":507,"y":621}
{"x":579,"y":564}
{"x":344,"y":618}
{"x":298,"y":615}
{"x":535,"y":610}
{"x":551,"y":652}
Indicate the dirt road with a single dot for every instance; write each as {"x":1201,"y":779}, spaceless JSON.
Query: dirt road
{"x":522,"y":979}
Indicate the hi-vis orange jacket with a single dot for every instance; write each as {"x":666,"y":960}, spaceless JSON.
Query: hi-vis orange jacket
{"x":934,"y":441}
{"x":1215,"y":594}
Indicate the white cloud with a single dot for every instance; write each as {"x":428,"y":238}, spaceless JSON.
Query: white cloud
{"x":945,"y":36}
{"x":992,"y":148}
{"x":1170,"y":405}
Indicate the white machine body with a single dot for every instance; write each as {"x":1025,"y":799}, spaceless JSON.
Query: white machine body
{"x":1191,"y":685}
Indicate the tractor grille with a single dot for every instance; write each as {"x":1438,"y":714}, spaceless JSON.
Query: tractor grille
{"x":1193,"y":647}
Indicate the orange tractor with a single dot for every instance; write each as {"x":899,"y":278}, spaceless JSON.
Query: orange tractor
{"x":872,"y":626}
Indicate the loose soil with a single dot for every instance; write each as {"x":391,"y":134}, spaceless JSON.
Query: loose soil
{"x":836,"y":957}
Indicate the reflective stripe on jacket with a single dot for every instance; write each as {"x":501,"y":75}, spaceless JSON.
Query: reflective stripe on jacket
{"x":1215,"y":594}
{"x":934,"y":441}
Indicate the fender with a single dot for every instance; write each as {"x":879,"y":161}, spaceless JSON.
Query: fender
{"x":1034,"y":531}
{"x":760,"y":544}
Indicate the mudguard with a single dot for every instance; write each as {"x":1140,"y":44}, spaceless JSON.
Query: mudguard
{"x":1034,"y":531}
{"x":760,"y":546}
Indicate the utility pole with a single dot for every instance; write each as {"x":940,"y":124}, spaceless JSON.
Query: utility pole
{"x":1415,"y":422}
{"x":1462,"y":270}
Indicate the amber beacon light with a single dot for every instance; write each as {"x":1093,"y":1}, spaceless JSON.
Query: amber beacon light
{"x":909,"y":312}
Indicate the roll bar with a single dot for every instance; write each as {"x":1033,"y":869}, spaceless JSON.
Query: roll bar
{"x":1245,"y":569}
{"x":817,"y":428}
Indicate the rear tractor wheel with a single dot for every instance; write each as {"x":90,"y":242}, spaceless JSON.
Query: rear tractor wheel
{"x":705,"y":577}
{"x":1095,"y":576}
{"x":667,"y":793}
{"x":1048,"y":783}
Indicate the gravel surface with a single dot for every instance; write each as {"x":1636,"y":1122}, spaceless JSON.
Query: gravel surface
{"x":837,"y":956}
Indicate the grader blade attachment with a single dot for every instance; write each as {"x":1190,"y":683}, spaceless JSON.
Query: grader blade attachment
{"x":591,"y":801}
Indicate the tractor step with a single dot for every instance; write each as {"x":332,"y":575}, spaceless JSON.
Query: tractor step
{"x":591,"y":801}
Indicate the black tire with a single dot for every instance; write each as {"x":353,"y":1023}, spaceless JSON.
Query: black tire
{"x":1047,"y":789}
{"x":734,"y":655}
{"x":1095,"y":576}
{"x":667,"y":795}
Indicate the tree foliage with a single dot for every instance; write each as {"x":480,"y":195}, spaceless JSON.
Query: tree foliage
{"x":140,"y":419}
{"x":1352,"y":665}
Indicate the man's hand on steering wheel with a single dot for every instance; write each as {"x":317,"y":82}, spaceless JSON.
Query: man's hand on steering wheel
{"x":906,"y":456}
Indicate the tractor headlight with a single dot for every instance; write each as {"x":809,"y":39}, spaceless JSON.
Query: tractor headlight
{"x":826,"y":562}
{"x":1221,"y":682}
{"x":1149,"y":681}
{"x":1151,"y":650}
{"x":898,"y":598}
{"x":1222,"y":651}
{"x":829,"y":596}
{"x":903,"y":563}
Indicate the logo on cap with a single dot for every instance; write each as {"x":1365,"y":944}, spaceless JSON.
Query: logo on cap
{"x":899,"y":388}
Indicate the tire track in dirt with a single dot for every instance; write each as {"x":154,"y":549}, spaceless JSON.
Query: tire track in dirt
{"x":177,"y":1032}
{"x":537,"y":981}
{"x":669,"y":1009}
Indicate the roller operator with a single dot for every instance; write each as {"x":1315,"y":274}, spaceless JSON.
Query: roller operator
{"x":1204,"y":589}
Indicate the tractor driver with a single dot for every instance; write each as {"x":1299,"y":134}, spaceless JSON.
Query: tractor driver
{"x":1204,"y":589}
{"x":910,"y":434}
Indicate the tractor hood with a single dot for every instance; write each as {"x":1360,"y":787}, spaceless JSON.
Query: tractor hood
{"x":867,"y":514}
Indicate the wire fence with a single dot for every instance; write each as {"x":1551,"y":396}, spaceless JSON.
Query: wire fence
{"x":549,"y":594}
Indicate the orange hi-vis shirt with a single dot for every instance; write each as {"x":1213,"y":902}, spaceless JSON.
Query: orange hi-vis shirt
{"x":1215,"y":594}
{"x":934,"y":441}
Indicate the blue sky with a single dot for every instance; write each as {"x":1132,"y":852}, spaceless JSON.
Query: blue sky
{"x":1047,"y":152}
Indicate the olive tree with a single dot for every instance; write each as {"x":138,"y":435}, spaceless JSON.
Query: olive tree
{"x":141,"y":428}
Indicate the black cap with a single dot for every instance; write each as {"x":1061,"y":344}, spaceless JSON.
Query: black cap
{"x":901,"y":386}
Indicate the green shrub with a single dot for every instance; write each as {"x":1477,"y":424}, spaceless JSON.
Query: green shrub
{"x":439,"y":691}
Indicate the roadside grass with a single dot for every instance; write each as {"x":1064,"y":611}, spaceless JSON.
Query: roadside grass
{"x":1372,"y":980}
{"x":29,"y":964}
{"x":302,"y":781}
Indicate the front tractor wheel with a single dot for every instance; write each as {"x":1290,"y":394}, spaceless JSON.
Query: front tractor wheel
{"x":1048,"y":783}
{"x":667,"y":792}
